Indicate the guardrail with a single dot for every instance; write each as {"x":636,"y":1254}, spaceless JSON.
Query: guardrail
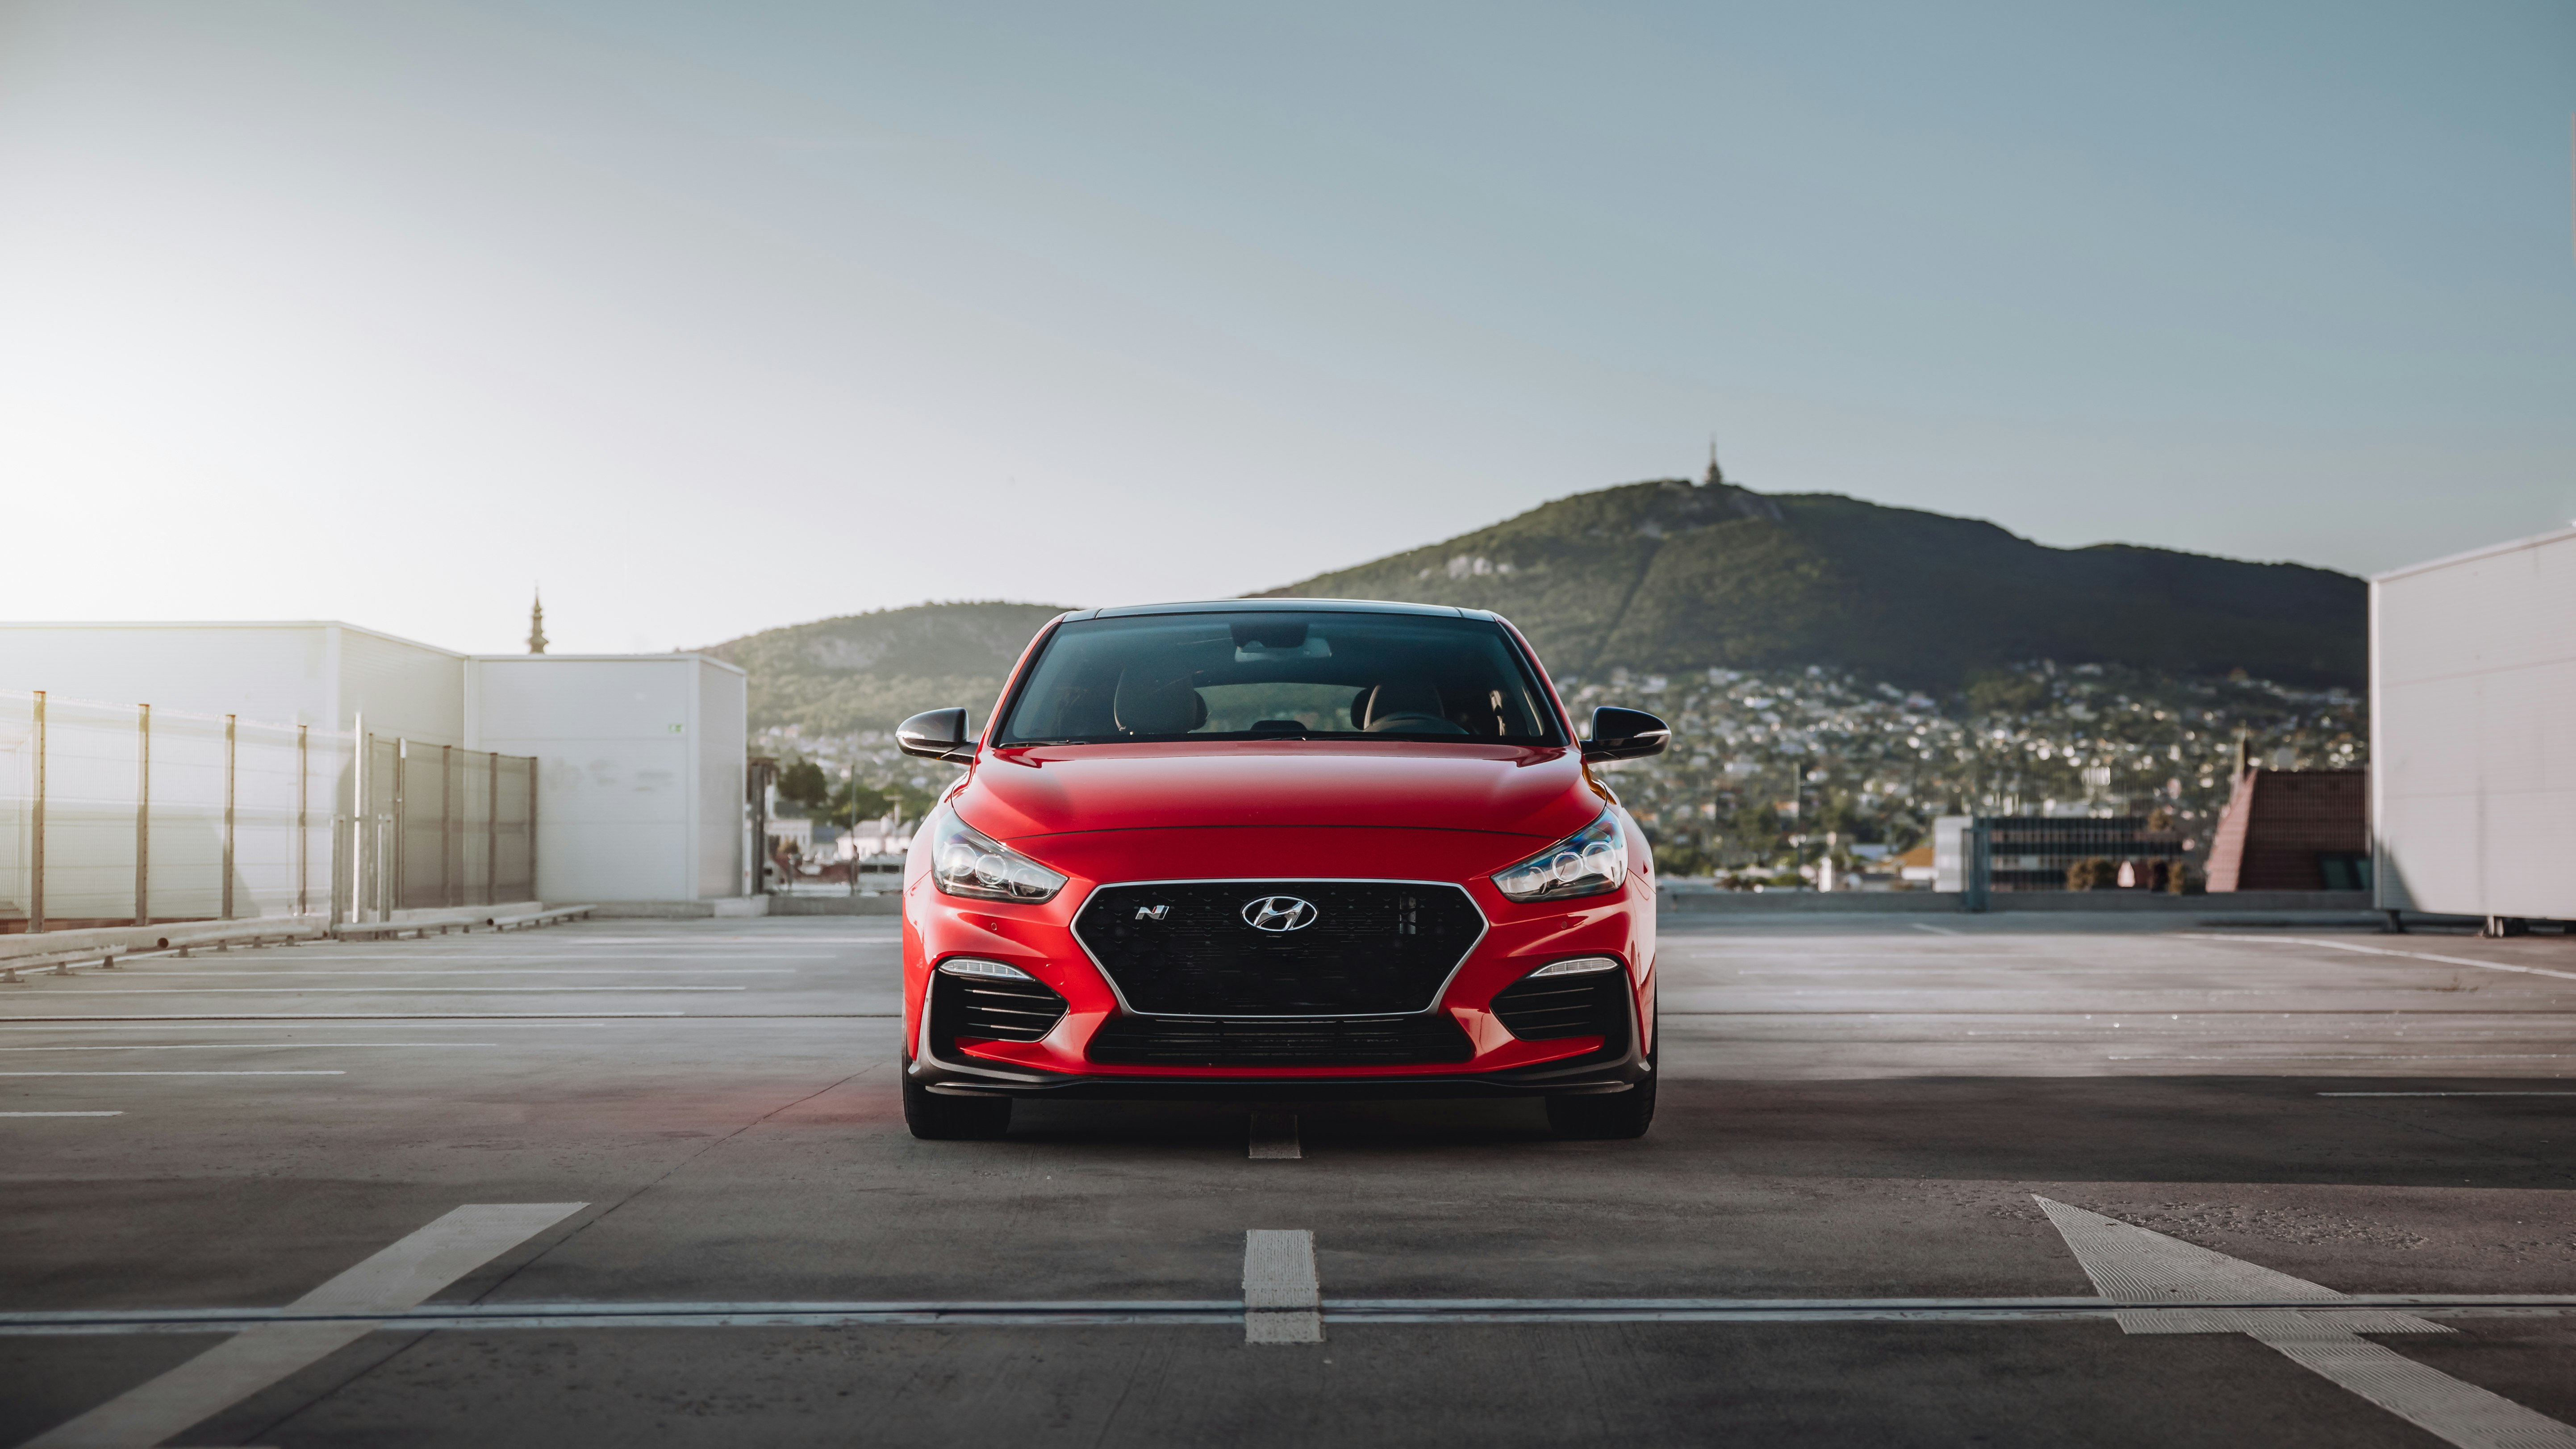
{"x":59,"y":951}
{"x":422,"y":923}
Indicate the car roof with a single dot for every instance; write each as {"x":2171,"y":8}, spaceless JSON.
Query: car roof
{"x":1301,"y":606}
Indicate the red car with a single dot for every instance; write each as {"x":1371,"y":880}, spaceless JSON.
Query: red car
{"x":1279,"y":848}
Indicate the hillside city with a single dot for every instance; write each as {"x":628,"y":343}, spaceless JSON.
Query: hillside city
{"x":1772,"y":772}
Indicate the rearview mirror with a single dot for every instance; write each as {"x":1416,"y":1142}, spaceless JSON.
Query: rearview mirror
{"x":936,"y":734}
{"x":1625,"y":734}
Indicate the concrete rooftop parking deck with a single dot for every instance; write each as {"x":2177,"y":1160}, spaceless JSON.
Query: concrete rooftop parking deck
{"x":1883,"y":1202}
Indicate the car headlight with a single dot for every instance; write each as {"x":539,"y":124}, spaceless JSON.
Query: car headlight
{"x":1586,"y":863}
{"x":966,"y":862}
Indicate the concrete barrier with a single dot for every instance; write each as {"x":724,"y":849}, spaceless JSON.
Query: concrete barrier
{"x":888,"y":904}
{"x":61,"y":950}
{"x":729,"y":907}
{"x":517,"y":915}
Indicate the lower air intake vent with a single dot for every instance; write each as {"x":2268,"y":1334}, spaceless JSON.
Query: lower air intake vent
{"x":976,"y":1009}
{"x":1380,"y":1042}
{"x":1550,"y":1008}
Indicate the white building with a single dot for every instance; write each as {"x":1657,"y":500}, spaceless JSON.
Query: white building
{"x":2473,"y":732}
{"x":640,"y":757}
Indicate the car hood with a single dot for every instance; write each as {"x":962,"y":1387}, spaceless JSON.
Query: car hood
{"x":1049,"y":790}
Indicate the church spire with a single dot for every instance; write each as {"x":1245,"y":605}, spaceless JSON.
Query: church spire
{"x":537,"y":624}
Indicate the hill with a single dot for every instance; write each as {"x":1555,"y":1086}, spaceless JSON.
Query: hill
{"x":836,"y":677}
{"x":1671,"y":574}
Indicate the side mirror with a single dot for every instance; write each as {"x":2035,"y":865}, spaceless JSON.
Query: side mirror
{"x":1625,"y":734}
{"x":936,"y":734}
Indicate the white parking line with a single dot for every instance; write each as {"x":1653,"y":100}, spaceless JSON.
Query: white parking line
{"x":1283,"y":1301}
{"x":2317,"y":1328}
{"x":401,"y":1277}
{"x":1095,"y":1313}
{"x":2358,"y":1057}
{"x":329,"y":957}
{"x":85,"y":1025}
{"x":1935,"y":930}
{"x":160,"y":974}
{"x":1274,"y":1137}
{"x":61,"y":1114}
{"x":379,"y":990}
{"x":2380,"y":951}
{"x":2447,"y":1094}
{"x":240,"y":1046}
{"x":177,"y":1074}
{"x":482,"y":1019}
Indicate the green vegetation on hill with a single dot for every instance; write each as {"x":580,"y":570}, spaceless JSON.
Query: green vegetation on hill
{"x":1675,"y":576}
{"x":1678,"y":575}
{"x":836,"y":677}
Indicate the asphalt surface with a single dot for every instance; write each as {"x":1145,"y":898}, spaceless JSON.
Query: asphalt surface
{"x":1862,"y":1108}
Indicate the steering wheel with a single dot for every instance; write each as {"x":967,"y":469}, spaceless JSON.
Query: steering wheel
{"x":1417,"y":724}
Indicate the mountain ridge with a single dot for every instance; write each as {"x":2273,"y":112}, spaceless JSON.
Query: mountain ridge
{"x":1714,"y":574}
{"x":1672,"y":574}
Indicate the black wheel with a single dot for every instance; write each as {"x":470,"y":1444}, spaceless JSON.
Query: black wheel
{"x":935,"y":1118}
{"x":1613,"y":1116}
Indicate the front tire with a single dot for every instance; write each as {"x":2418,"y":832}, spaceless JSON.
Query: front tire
{"x":936,"y":1118}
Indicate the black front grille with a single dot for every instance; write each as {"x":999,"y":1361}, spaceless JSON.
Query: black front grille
{"x":982,"y":1010}
{"x":1186,"y":950}
{"x":1550,"y":1008}
{"x":1378,"y":1042}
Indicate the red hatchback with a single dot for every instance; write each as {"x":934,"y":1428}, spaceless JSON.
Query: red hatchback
{"x":1279,"y":848}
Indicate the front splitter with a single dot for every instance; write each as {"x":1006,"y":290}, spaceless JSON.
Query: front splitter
{"x":1593,"y":1081}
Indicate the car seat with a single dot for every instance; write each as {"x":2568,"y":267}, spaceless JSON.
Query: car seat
{"x":1149,"y":706}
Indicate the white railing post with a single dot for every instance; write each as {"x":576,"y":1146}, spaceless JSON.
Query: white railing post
{"x":143,"y":816}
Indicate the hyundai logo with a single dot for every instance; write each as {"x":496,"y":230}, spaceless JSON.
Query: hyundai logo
{"x":1279,"y":913}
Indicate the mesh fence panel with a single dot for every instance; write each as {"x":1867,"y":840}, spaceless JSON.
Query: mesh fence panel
{"x":422,"y":811}
{"x":453,"y":826}
{"x":514,"y":833}
{"x":93,"y":770}
{"x":159,"y":815}
{"x":17,"y":808}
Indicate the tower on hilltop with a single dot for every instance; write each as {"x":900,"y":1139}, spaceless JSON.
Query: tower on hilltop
{"x":537,"y":624}
{"x":1716,"y":475}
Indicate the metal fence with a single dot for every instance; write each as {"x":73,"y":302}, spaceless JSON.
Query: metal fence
{"x":443,"y":827}
{"x":116,"y":815}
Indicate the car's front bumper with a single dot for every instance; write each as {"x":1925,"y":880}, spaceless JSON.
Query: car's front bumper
{"x":1614,"y":1068}
{"x":1038,"y":939}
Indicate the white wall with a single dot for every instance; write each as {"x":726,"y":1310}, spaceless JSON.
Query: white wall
{"x":723,"y":736}
{"x":312,"y":673}
{"x":2473,"y":731}
{"x":408,"y":690}
{"x":640,"y":757}
{"x":639,"y":769}
{"x":1950,"y":852}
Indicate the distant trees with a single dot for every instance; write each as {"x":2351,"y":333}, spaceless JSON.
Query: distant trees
{"x":1680,"y":857}
{"x":802,"y":782}
{"x":846,"y":801}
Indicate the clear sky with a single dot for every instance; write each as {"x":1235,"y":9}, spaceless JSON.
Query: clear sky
{"x":716,"y":317}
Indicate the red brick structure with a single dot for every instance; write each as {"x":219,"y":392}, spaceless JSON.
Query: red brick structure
{"x":2293,"y":830}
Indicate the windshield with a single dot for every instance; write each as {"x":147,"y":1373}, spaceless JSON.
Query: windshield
{"x":1295,"y":675}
